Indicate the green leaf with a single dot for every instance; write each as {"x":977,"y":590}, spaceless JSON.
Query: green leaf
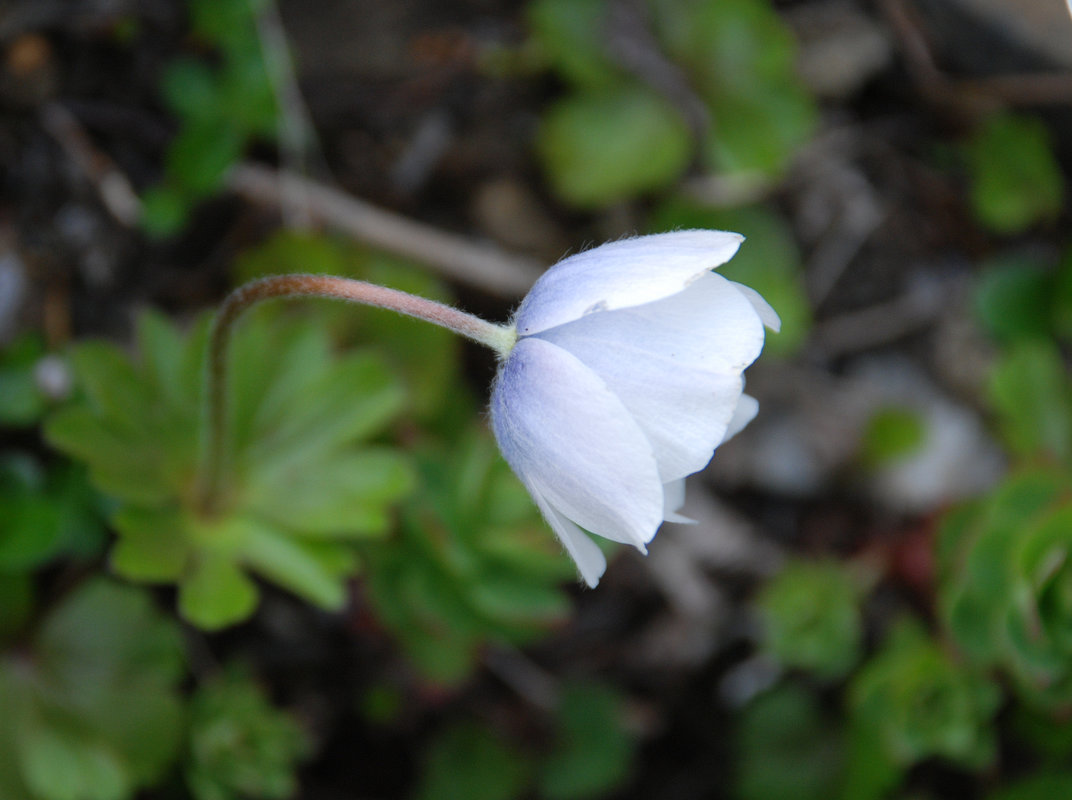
{"x":1015,"y":178}
{"x":976,"y":550}
{"x":45,"y":514}
{"x":811,"y":618}
{"x":759,"y":132}
{"x":1014,"y":299}
{"x":217,"y":593}
{"x":572,"y":36}
{"x":473,"y":762}
{"x":1031,"y":391}
{"x":592,"y":752}
{"x":201,"y":154}
{"x":190,"y":89}
{"x":21,"y":402}
{"x":787,"y":747}
{"x":91,"y":703}
{"x":739,"y":55}
{"x":601,"y":147}
{"x":165,"y":209}
{"x":892,"y":434}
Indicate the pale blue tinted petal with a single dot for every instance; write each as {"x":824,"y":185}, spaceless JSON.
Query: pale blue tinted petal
{"x":763,"y":308}
{"x":590,"y":561}
{"x":572,"y":441}
{"x":746,"y":411}
{"x":675,"y":364}
{"x":673,"y":500}
{"x":622,"y":274}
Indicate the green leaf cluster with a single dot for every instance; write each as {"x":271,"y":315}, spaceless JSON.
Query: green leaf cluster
{"x":472,"y":561}
{"x":589,"y":754}
{"x":1016,"y":181}
{"x":613,"y":136}
{"x":914,"y":701}
{"x":1006,"y":594}
{"x":304,"y":483}
{"x":221,"y":107}
{"x":240,"y":745}
{"x":811,"y":618}
{"x":91,"y":709}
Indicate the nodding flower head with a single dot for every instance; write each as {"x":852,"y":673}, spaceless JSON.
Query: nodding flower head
{"x":625,"y":376}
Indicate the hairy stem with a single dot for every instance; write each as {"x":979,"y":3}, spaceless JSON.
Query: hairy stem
{"x":214,"y":455}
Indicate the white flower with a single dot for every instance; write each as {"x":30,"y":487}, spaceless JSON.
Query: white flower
{"x":625,"y":377}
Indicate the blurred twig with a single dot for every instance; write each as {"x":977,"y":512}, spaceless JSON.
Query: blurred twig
{"x":115,"y":191}
{"x":481,"y":266}
{"x":295,"y":129}
{"x":974,"y":95}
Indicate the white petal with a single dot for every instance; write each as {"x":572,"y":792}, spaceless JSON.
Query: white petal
{"x":622,"y":274}
{"x":673,"y":500}
{"x":746,"y":411}
{"x":763,"y":308}
{"x":585,"y":553}
{"x":675,"y":364}
{"x":572,"y":441}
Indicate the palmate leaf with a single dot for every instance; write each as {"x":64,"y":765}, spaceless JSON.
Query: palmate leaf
{"x":300,"y":485}
{"x":473,"y":562}
{"x":91,"y":706}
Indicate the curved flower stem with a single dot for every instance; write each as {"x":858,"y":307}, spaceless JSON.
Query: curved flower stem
{"x":210,"y":488}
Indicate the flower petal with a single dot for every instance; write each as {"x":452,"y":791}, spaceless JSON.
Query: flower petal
{"x":673,"y":500}
{"x":572,"y":442}
{"x":622,"y":274}
{"x":675,"y":364}
{"x":763,"y":308}
{"x":746,"y":411}
{"x":585,"y":553}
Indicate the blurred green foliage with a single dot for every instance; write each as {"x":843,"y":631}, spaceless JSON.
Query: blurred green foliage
{"x":91,"y":703}
{"x":48,"y":513}
{"x":1002,"y":588}
{"x":425,"y":357}
{"x":1016,"y":181}
{"x":913,"y":701}
{"x":789,"y":747}
{"x":1007,"y":593}
{"x":891,"y":434}
{"x":222,"y":103}
{"x":592,"y":749}
{"x":240,"y":745}
{"x":472,"y":561}
{"x":472,"y":761}
{"x":811,"y":618}
{"x":589,"y":754}
{"x":21,"y":400}
{"x":305,"y":483}
{"x":613,"y":136}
